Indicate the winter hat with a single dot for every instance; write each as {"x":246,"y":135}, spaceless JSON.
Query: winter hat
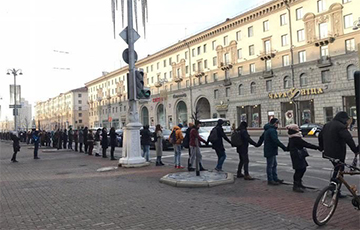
{"x":294,"y":127}
{"x":180,"y":126}
{"x":243,"y":125}
{"x":220,"y":122}
{"x":274,"y":120}
{"x":342,"y":116}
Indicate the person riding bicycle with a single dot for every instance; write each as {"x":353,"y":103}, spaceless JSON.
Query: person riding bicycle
{"x":333,"y":139}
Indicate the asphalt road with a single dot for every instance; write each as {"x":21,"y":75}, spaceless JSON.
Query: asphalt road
{"x":317,"y":175}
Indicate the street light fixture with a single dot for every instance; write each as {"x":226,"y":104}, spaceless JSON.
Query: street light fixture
{"x":14,"y":72}
{"x":356,"y":24}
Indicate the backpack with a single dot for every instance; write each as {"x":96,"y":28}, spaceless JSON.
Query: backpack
{"x":172,"y":138}
{"x":236,"y":140}
{"x":213,"y":137}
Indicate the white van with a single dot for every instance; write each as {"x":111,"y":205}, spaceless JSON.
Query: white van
{"x":209,"y":124}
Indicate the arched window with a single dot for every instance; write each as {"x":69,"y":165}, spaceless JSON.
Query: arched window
{"x":286,"y":82}
{"x":241,"y":91}
{"x":252,"y":88}
{"x":350,"y":71}
{"x":303,"y":79}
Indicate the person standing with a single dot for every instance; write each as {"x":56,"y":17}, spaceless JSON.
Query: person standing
{"x":97,"y":142}
{"x":90,"y":142}
{"x":271,"y":144}
{"x":158,"y":138}
{"x":81,"y":139}
{"x":36,"y":140}
{"x":76,"y":139}
{"x":218,"y":144}
{"x":243,"y":151}
{"x":333,"y":139}
{"x":71,"y":138}
{"x":113,"y":141}
{"x":194,"y":143}
{"x":145,"y":140}
{"x":86,"y":132}
{"x":64,"y":138}
{"x":297,"y":146}
{"x":176,"y":132}
{"x":186,"y":144}
{"x":16,"y":146}
{"x":104,"y":142}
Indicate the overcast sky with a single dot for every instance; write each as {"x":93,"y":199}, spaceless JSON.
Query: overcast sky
{"x":61,"y":44}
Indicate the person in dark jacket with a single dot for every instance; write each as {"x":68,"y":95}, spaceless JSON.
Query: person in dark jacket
{"x":16,"y":146}
{"x":333,"y":139}
{"x":36,"y":140}
{"x":218,"y":145}
{"x":271,"y":144}
{"x":81,"y":140}
{"x":299,"y":163}
{"x":186,"y":144}
{"x":86,"y":132}
{"x":243,"y":151}
{"x":71,"y":138}
{"x":195,"y":139}
{"x":145,"y":140}
{"x":76,"y":140}
{"x":64,"y":138}
{"x":90,"y":142}
{"x":104,"y":142}
{"x":97,"y":142}
{"x":113,"y":141}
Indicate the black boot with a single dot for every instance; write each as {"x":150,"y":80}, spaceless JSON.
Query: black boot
{"x":297,"y":188}
{"x":202,"y":168}
{"x":301,"y":185}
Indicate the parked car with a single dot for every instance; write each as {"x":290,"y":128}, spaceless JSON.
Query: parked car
{"x":119,"y":137}
{"x":314,"y":128}
{"x":166,"y":143}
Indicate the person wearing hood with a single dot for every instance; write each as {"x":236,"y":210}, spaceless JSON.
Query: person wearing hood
{"x":218,"y":145}
{"x":177,"y":144}
{"x":145,"y":140}
{"x":333,"y":139}
{"x":16,"y":145}
{"x":243,"y":151}
{"x":271,"y":144}
{"x":104,"y":142}
{"x":296,"y":147}
{"x":97,"y":142}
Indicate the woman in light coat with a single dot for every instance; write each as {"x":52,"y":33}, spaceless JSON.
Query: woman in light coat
{"x":158,"y":144}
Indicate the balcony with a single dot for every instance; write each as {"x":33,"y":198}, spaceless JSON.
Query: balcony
{"x":268,"y":74}
{"x":225,"y":66}
{"x":324,"y":61}
{"x":267,"y":55}
{"x":178,"y":79}
{"x":227,"y":82}
{"x":158,"y":84}
{"x":199,"y":74}
{"x":324,"y":40}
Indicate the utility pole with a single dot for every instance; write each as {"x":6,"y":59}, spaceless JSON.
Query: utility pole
{"x":15,"y":73}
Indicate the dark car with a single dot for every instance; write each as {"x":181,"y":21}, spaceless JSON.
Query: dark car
{"x":311,"y":129}
{"x":119,"y":137}
{"x":166,"y":143}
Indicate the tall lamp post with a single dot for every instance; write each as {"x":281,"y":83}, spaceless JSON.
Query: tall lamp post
{"x":14,"y":72}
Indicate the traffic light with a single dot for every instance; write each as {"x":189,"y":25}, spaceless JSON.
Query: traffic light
{"x":141,"y":92}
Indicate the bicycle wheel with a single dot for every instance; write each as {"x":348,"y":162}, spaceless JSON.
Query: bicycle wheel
{"x":325,"y":205}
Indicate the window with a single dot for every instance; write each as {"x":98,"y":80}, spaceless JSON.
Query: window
{"x":240,"y":70}
{"x":215,"y":77}
{"x":194,"y":81}
{"x":267,"y":47}
{"x":80,"y":121}
{"x":213,"y":44}
{"x":204,"y":48}
{"x":80,"y":114}
{"x":252,"y":88}
{"x":284,"y":40}
{"x":283,"y":20}
{"x":216,"y":94}
{"x":151,"y":67}
{"x":321,"y":5}
{"x":268,"y":65}
{"x":266,"y":26}
{"x":350,"y":71}
{"x":170,"y":74}
{"x":285,"y":60}
{"x":177,"y":58}
{"x":302,"y":56}
{"x":325,"y":76}
{"x":193,"y":52}
{"x":239,"y":53}
{"x":300,"y":35}
{"x":323,"y":30}
{"x":238,"y":35}
{"x":170,"y":61}
{"x":186,"y":55}
{"x":80,"y":108}
{"x":227,"y":92}
{"x":227,"y":74}
{"x":250,"y":31}
{"x":226,"y":40}
{"x":187,"y":69}
{"x":214,"y":61}
{"x":199,"y":50}
{"x":187,"y":83}
{"x":227,"y":58}
{"x":147,"y":70}
{"x":251,"y":50}
{"x":152,"y":80}
{"x":348,"y":21}
{"x":286,"y":82}
{"x":324,"y":51}
{"x":299,"y":13}
{"x":200,"y":66}
{"x":205,"y":64}
{"x":350,"y":45}
{"x":179,"y":85}
{"x":158,"y":65}
{"x":268,"y":85}
{"x":206,"y":79}
{"x":164,"y":63}
{"x":194,"y":67}
{"x":79,"y":102}
{"x":252,"y":68}
{"x":79,"y":95}
{"x":303,"y":80}
{"x":328,"y":114}
{"x":241,"y":89}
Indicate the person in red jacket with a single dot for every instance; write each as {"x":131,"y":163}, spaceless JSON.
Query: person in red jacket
{"x":195,"y":146}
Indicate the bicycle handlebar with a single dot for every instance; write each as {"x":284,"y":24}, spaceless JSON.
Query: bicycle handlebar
{"x":339,"y":162}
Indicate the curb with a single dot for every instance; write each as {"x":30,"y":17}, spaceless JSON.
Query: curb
{"x":134,"y":165}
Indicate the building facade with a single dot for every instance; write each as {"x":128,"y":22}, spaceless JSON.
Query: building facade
{"x":290,"y":59}
{"x":25,"y":115}
{"x":67,"y":109}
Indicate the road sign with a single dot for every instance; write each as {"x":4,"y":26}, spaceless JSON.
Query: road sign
{"x":125,"y":56}
{"x":124,"y":35}
{"x":13,"y":106}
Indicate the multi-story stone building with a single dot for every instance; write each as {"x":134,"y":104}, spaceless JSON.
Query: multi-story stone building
{"x":67,"y":109}
{"x":291,"y":59}
{"x":25,"y":115}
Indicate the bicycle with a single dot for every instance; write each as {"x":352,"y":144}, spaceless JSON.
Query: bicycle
{"x":328,"y":197}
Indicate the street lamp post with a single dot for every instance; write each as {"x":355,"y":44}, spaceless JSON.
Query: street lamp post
{"x":15,"y":73}
{"x":291,"y":44}
{"x":164,"y":98}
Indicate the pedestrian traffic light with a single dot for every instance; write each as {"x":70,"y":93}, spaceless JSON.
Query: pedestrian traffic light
{"x":141,"y":91}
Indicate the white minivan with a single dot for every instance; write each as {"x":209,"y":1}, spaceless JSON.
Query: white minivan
{"x":209,"y":124}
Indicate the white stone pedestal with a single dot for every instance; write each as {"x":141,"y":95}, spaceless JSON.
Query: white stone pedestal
{"x":131,"y":151}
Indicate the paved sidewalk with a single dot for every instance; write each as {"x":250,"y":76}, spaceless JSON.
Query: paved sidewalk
{"x":63,"y":190}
